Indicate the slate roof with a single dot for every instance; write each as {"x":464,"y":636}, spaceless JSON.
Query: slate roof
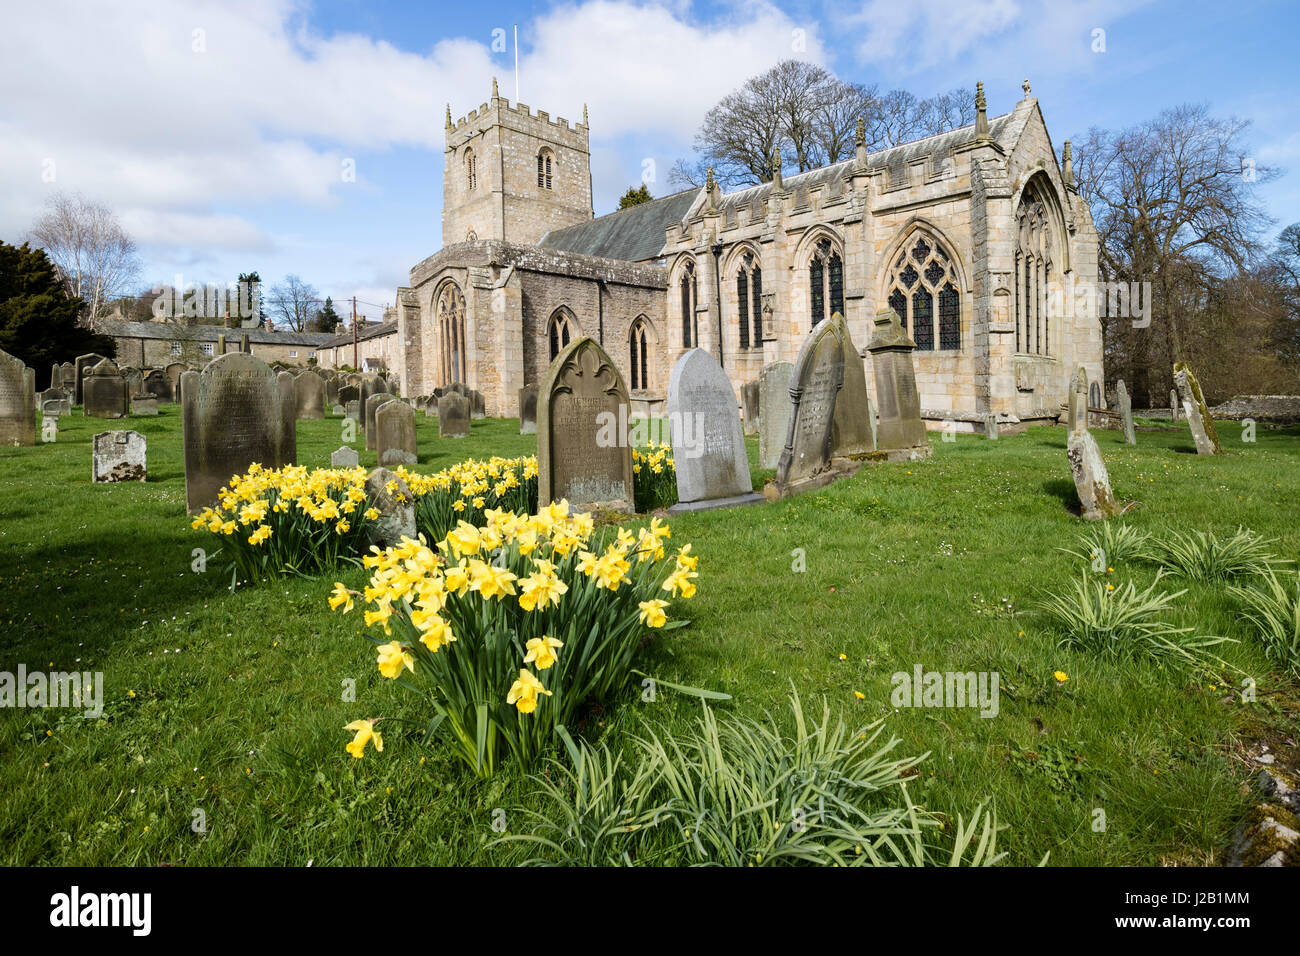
{"x":369,"y":331}
{"x":635,"y":234}
{"x":208,"y":333}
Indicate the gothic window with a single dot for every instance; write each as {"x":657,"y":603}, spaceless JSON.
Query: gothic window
{"x":686,"y":287}
{"x":923,"y":273}
{"x":1034,"y":254}
{"x":926,"y":272}
{"x":544,"y":159}
{"x":826,"y":281}
{"x":450,"y":312}
{"x":471,"y":169}
{"x":639,"y":351}
{"x":560,"y":331}
{"x":749,"y":302}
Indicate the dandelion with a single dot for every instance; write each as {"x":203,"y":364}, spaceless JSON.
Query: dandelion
{"x":1061,"y":676}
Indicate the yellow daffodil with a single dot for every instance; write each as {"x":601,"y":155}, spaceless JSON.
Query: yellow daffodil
{"x":523,"y":692}
{"x":541,"y":651}
{"x":392,"y":658}
{"x":366,"y":733}
{"x":341,"y":597}
{"x":652,"y":612}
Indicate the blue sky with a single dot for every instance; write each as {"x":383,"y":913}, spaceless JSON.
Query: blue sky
{"x":218,"y":130}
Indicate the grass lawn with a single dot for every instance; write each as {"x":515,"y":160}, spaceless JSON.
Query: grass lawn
{"x":232,"y":704}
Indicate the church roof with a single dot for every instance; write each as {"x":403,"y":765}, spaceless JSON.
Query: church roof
{"x":635,"y":234}
{"x":173,"y":331}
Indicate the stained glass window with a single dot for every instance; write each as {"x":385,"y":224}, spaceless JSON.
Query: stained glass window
{"x":921,"y":250}
{"x":836,"y":269}
{"x":688,"y":305}
{"x":635,"y":363}
{"x":909,"y":276}
{"x":742,"y":307}
{"x":757,"y":306}
{"x":925,"y":271}
{"x":898,"y":302}
{"x":818,"y":292}
{"x":949,"y":318}
{"x":934,"y":272}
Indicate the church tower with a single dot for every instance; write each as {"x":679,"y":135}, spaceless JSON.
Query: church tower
{"x":511,"y":175}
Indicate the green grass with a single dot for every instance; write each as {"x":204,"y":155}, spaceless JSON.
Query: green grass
{"x":238,"y":711}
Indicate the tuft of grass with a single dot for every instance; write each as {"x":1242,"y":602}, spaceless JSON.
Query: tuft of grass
{"x":1204,"y":556}
{"x":1274,"y":609}
{"x":741,"y":792}
{"x":1123,"y":622}
{"x":1109,"y":542}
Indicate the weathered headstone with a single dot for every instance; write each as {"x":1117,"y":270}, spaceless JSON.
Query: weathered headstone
{"x":134,"y":379}
{"x":396,"y":508}
{"x":157,"y":384}
{"x":1125,"y":412}
{"x":1173,"y":405}
{"x":773,"y":412}
{"x":338,"y":410}
{"x":900,"y":424}
{"x":81,"y":368}
{"x":105,"y":393}
{"x":352,"y":410}
{"x":309,"y":389}
{"x":68,"y":380}
{"x":750,"y":406}
{"x":345,"y":457}
{"x":991,"y":427}
{"x":17,"y":402}
{"x":1196,"y":411}
{"x":872,"y":421}
{"x":372,"y":408}
{"x":55,"y":407}
{"x":237,"y":411}
{"x":708,"y":439}
{"x":331,"y":390}
{"x":580,"y":455}
{"x":370,"y":385}
{"x":477,"y":406}
{"x":1091,"y":480}
{"x":453,"y":415}
{"x":174,"y":371}
{"x":118,"y":456}
{"x":1077,"y":415}
{"x":528,"y":410}
{"x":395,"y":434}
{"x":349,"y":393}
{"x":852,"y":433}
{"x":144,"y":405}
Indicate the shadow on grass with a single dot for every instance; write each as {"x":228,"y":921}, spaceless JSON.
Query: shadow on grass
{"x":1066,"y":492}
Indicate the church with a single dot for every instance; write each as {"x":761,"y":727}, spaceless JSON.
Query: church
{"x":966,"y":235}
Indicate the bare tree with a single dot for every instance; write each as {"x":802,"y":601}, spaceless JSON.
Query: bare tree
{"x":837,"y":120}
{"x":945,"y":111}
{"x":95,"y":257}
{"x":293,"y":302}
{"x":1174,"y":202}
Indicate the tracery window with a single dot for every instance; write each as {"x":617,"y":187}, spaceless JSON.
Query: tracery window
{"x":922,"y":272}
{"x":1035,"y":249}
{"x":826,"y":281}
{"x":559,"y":331}
{"x":639,"y":349}
{"x":544,"y":159}
{"x":450,"y":312}
{"x":687,"y":292}
{"x":749,"y":302}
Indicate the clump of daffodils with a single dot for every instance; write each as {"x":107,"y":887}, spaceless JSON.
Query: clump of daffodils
{"x":465,"y":492}
{"x":276,"y":521}
{"x":654,"y":477}
{"x":518,"y":622}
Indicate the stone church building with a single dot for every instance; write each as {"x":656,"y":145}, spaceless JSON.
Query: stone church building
{"x":966,"y":234}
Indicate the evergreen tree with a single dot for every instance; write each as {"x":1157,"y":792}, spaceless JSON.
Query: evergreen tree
{"x":326,"y":319}
{"x":635,"y":196}
{"x":38,"y":321}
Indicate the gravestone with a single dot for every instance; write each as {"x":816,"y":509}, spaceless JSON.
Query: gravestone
{"x":55,"y":407}
{"x":871,"y":420}
{"x":144,"y":405}
{"x":750,"y":407}
{"x":352,"y":410}
{"x":235,"y":412}
{"x":309,"y":390}
{"x":991,"y":427}
{"x":174,"y":371}
{"x":1091,"y":480}
{"x":899,"y":402}
{"x":157,"y":384}
{"x":1125,"y":412}
{"x":1077,"y":415}
{"x":54,"y":376}
{"x":852,"y":433}
{"x":345,"y":457}
{"x":773,"y":412}
{"x":105,"y":393}
{"x":348,"y":393}
{"x":118,"y":456}
{"x":453,"y":415}
{"x":431,"y":408}
{"x":1173,"y":405}
{"x":17,"y":402}
{"x":370,"y":385}
{"x":708,"y":439}
{"x":395,"y":434}
{"x":372,"y":408}
{"x":81,"y":368}
{"x":331,"y":390}
{"x":477,"y":406}
{"x":338,"y":411}
{"x":1196,"y":411}
{"x":68,"y":380}
{"x":528,"y":410}
{"x":580,"y":455}
{"x":134,"y":379}
{"x":815,"y":379}
{"x":396,"y":509}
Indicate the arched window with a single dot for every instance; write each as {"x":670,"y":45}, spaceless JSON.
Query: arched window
{"x":826,"y":281}
{"x":1033,"y":257}
{"x":544,"y":160}
{"x":922,"y":272}
{"x":749,"y":302}
{"x":639,"y":354}
{"x":471,"y":169}
{"x":560,"y":331}
{"x":686,"y":289}
{"x":451,"y":332}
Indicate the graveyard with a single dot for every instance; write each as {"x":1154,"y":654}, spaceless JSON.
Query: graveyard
{"x":230,"y":700}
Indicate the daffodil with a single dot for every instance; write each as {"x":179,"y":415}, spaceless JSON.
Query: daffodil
{"x":341,"y":597}
{"x":541,"y":651}
{"x":366,"y":733}
{"x":392,"y":658}
{"x":523,"y":692}
{"x":652,"y":612}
